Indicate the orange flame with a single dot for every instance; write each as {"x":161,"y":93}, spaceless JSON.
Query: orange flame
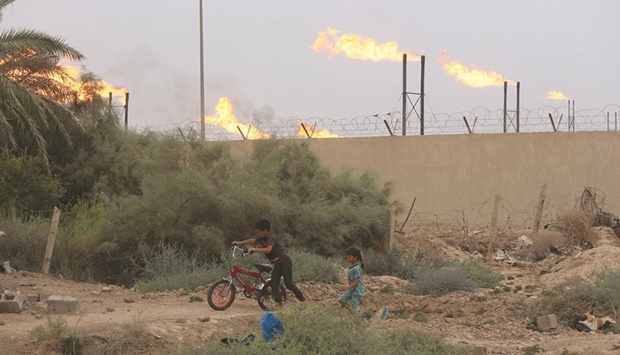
{"x":312,"y":133}
{"x":556,"y":95}
{"x":358,"y":47}
{"x":225,"y":118}
{"x":471,"y":76}
{"x":105,"y":87}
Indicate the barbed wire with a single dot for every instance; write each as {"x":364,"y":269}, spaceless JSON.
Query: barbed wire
{"x":478,"y":120}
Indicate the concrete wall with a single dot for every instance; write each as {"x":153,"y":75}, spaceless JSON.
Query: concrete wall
{"x":451,"y":172}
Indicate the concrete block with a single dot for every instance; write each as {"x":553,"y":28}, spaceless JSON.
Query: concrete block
{"x":62,"y":305}
{"x":43,"y":297}
{"x":10,"y":302}
{"x":549,"y":321}
{"x":32,"y":299}
{"x":6,"y":267}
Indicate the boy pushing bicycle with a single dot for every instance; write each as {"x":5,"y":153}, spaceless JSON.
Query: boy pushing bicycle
{"x":276,"y":254}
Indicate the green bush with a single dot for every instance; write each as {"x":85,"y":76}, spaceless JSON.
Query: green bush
{"x":481,"y":276}
{"x":25,"y":240}
{"x":56,"y":337}
{"x":75,"y":242}
{"x":25,"y":186}
{"x":166,"y":267}
{"x":200,"y":198}
{"x":393,"y":263}
{"x":439,"y":282}
{"x":314,"y":268}
{"x":320,"y":329}
{"x":602,"y":295}
{"x":170,"y":268}
{"x":129,"y":192}
{"x":438,"y":278}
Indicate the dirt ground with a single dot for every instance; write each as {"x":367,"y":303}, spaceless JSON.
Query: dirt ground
{"x":484,"y":318}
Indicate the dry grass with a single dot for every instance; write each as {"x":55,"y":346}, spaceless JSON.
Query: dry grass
{"x":130,"y":338}
{"x":56,"y":337}
{"x":578,"y":226}
{"x":543,"y":242}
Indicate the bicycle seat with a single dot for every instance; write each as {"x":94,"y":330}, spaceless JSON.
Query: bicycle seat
{"x":264,"y":267}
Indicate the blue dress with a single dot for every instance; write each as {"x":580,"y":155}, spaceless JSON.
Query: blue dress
{"x":354,"y":295}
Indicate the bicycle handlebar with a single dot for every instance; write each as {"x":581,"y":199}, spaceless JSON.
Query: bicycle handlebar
{"x":238,"y":248}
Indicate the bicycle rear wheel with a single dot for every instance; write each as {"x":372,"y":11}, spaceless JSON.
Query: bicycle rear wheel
{"x":267,"y":302}
{"x":221,"y":295}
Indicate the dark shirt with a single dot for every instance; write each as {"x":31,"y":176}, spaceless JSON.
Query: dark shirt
{"x":277,"y":253}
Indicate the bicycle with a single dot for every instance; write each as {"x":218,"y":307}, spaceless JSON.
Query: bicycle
{"x":221,"y":294}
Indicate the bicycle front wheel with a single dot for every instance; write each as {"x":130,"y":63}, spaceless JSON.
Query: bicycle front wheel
{"x":221,"y":295}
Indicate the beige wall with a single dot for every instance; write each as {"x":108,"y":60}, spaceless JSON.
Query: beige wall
{"x":450,"y":172}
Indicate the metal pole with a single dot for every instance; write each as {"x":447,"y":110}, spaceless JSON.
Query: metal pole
{"x":518,"y":100}
{"x":616,"y":121}
{"x":505,"y":93}
{"x":126,"y":109}
{"x":607,"y":120}
{"x":423,"y":61}
{"x":404,"y":94}
{"x":569,"y":119}
{"x":202,"y":81}
{"x":573,"y":115}
{"x":110,"y":99}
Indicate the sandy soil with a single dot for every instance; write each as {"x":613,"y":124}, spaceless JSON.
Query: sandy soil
{"x":484,"y":318}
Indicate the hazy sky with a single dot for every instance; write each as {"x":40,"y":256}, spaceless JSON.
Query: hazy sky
{"x":258,"y":53}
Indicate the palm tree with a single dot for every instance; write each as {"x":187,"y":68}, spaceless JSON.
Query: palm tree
{"x":33,"y":90}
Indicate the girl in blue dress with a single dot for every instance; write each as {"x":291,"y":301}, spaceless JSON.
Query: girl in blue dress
{"x":354,"y":291}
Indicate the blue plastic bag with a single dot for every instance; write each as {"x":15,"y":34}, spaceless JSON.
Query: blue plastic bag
{"x":271,"y":326}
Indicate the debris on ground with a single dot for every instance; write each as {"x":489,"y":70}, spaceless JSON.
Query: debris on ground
{"x":587,"y":322}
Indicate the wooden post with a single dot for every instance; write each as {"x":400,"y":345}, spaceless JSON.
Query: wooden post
{"x":51,"y":239}
{"x":539,"y":208}
{"x":493,"y":228}
{"x":408,"y":214}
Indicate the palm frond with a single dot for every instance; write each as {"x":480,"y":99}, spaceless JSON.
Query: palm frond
{"x":3,"y":4}
{"x":7,"y":135}
{"x":15,"y":41}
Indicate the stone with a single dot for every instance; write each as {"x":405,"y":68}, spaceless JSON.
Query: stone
{"x":546,"y":322}
{"x":62,"y":305}
{"x":32,"y":299}
{"x":10,"y":302}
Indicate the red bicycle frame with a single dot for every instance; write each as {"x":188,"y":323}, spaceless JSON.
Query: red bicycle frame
{"x":255,"y":287}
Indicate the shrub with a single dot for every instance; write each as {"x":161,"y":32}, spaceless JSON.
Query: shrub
{"x":394,"y":263}
{"x":437,"y":281}
{"x":578,"y":226}
{"x":129,"y":338}
{"x":25,"y":241}
{"x":167,"y":267}
{"x":25,"y":186}
{"x":314,"y":268}
{"x":318,"y":329}
{"x":201,"y":198}
{"x":481,"y":276}
{"x":56,"y":337}
{"x":603,"y":295}
{"x":75,"y":241}
{"x":543,"y":242}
